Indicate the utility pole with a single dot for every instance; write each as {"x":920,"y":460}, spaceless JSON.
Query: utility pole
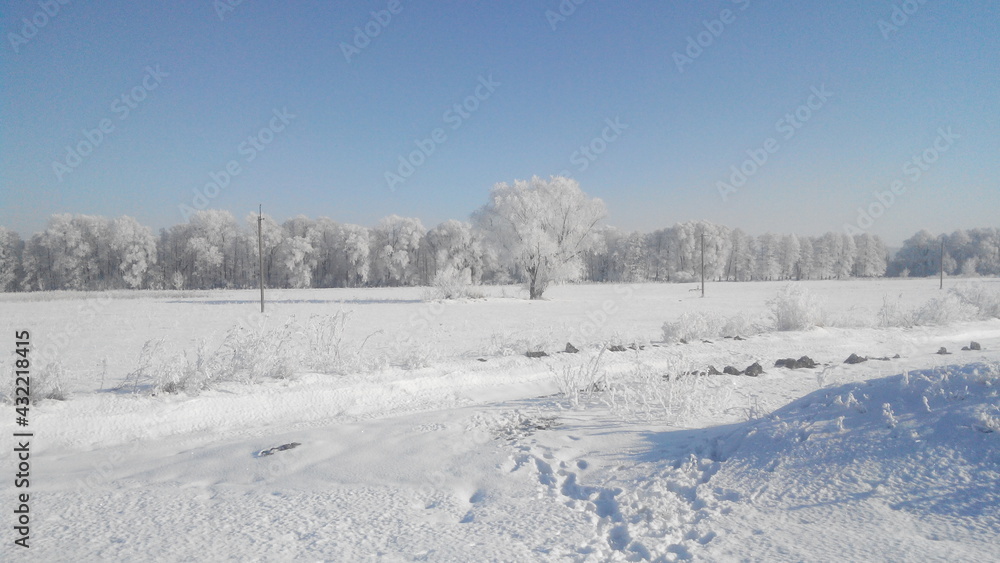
{"x":942,"y":264}
{"x":703,"y":264}
{"x":260,"y":253}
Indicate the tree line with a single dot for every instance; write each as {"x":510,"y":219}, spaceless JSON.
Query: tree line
{"x":533,"y":232}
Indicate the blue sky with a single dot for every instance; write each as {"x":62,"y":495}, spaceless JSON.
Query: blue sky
{"x":208,"y":83}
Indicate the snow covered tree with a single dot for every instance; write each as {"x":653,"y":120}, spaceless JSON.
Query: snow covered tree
{"x":919,"y":256}
{"x":395,"y":246}
{"x":357,"y":254}
{"x":133,"y":249}
{"x":768,"y":263}
{"x":454,"y":245}
{"x":11,"y":248}
{"x":541,"y":228}
{"x":870,"y":259}
{"x":298,"y":261}
{"x":741,"y":263}
{"x":788,"y":256}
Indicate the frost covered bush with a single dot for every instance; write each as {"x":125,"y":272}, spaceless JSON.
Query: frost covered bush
{"x":46,"y":382}
{"x":795,"y":308}
{"x":963,"y":303}
{"x":452,"y":283}
{"x":669,"y":392}
{"x":580,"y":383}
{"x":248,"y":355}
{"x":701,"y":325}
{"x":943,"y":311}
{"x":517,"y":342}
{"x":327,"y":352}
{"x":982,"y":296}
{"x":693,"y":326}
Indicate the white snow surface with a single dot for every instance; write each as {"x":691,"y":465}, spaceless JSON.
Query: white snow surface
{"x":431,"y":454}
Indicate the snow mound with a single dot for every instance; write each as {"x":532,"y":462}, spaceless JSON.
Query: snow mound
{"x":912,"y":460}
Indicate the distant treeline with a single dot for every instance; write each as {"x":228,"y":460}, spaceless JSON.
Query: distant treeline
{"x":214,"y":250}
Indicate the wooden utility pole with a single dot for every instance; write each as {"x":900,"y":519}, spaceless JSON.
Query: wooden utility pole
{"x":703,"y":264}
{"x":942,"y":265}
{"x":260,"y":253}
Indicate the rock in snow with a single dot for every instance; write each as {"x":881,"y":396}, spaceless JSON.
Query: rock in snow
{"x":855,"y":359}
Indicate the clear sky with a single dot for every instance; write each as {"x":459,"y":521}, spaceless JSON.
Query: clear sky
{"x":198,"y":80}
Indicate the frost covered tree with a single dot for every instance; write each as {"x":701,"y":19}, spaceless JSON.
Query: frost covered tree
{"x":298,"y":261}
{"x":919,"y":256}
{"x":741,"y":262}
{"x":768,"y":265}
{"x":788,"y":256}
{"x":454,"y":246}
{"x":870,"y":257}
{"x":541,"y":228}
{"x":11,"y":248}
{"x":357,"y":254}
{"x":395,"y":248}
{"x":133,"y":250}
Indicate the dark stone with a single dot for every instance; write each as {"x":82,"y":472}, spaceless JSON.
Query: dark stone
{"x":896,"y":357}
{"x":855,"y":359}
{"x":943,"y":351}
{"x":738,"y":338}
{"x":805,"y":362}
{"x":785,"y":363}
{"x":975,"y":346}
{"x":636,"y":347}
{"x":570,"y":349}
{"x":730,"y":370}
{"x":683,"y":341}
{"x":965,"y":348}
{"x":482,"y":359}
{"x":616,"y":348}
{"x":536,"y":354}
{"x":753,"y":370}
{"x":706,"y":341}
{"x":713,"y":371}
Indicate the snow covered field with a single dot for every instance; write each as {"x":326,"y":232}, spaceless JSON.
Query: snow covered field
{"x":427,"y":434}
